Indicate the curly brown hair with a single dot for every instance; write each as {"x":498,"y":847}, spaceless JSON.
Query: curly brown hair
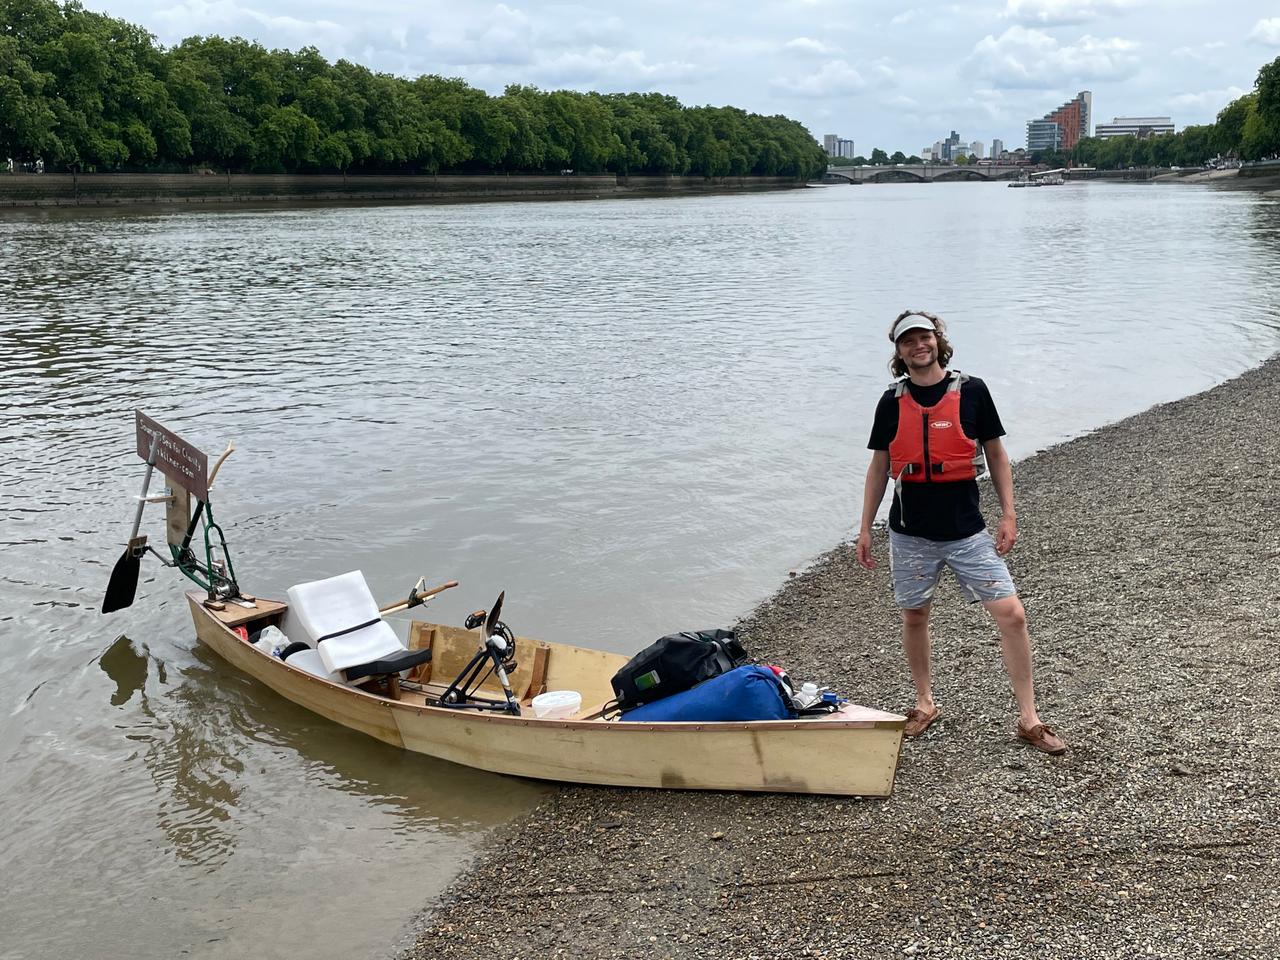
{"x":945,"y":351}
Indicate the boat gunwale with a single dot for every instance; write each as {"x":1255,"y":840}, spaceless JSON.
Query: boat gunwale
{"x":196,"y":602}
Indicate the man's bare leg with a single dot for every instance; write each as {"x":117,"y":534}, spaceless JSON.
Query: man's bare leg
{"x":1015,"y":648}
{"x":915,"y":643}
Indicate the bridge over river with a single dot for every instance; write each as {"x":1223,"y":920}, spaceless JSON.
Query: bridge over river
{"x":925,"y":173}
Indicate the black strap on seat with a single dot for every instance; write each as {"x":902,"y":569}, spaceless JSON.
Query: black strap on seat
{"x":340,"y":633}
{"x":392,"y":663}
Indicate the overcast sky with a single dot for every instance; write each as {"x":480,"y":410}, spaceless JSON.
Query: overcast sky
{"x":893,"y":75}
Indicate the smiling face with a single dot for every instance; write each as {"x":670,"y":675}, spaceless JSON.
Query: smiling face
{"x":918,"y":349}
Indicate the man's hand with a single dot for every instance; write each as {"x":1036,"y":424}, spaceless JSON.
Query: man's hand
{"x":1006,"y":535}
{"x":864,"y":550}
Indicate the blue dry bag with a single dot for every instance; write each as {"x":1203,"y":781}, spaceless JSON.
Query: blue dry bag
{"x":744,"y":693}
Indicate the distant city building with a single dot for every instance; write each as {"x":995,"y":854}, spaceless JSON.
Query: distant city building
{"x":977,"y":149}
{"x":926,"y":154}
{"x":1140,"y":127}
{"x":1063,"y":128}
{"x":959,"y":152}
{"x":837,"y":147}
{"x":936,"y":153}
{"x":997,"y":148}
{"x":949,"y":147}
{"x":1043,"y":135}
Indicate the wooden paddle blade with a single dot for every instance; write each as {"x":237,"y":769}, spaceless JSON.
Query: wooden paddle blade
{"x":492,"y":621}
{"x":123,"y":584}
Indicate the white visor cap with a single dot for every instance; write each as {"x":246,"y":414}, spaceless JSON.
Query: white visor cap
{"x":912,"y":322}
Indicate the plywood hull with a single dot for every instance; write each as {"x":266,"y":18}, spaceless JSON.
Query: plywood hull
{"x":852,"y":753}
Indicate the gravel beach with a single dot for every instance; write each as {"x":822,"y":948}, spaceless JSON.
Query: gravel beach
{"x":1149,"y":563}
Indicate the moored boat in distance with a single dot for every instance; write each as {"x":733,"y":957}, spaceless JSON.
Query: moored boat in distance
{"x":473,"y":694}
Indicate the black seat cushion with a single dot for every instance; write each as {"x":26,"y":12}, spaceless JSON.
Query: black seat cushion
{"x":389,"y":664}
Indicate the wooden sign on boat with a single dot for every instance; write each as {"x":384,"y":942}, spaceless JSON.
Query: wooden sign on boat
{"x":435,"y":697}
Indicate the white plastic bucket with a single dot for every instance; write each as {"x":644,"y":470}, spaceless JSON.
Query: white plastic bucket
{"x":557,"y":704}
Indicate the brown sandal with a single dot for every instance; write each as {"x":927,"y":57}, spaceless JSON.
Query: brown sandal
{"x":1043,"y":739}
{"x":918,"y":721}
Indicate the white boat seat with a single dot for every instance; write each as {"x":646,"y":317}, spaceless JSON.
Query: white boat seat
{"x":309,"y":660}
{"x":339,"y":617}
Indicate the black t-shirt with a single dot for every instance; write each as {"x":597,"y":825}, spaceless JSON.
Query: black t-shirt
{"x":939,"y":511}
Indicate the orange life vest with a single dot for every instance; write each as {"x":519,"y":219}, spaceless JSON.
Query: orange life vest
{"x":930,"y":445}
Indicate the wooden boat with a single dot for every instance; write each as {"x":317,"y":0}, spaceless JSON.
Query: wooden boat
{"x":851,"y":751}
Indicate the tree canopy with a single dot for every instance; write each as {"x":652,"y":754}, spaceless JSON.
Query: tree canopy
{"x":82,"y":90}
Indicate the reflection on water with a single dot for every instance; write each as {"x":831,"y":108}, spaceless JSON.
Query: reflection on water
{"x":634,"y":417}
{"x":126,"y":667}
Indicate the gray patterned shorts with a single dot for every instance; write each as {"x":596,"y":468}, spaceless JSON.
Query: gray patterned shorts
{"x":917,"y":564}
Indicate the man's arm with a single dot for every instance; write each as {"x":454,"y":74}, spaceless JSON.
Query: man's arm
{"x":872,"y":495}
{"x":1002,"y":480}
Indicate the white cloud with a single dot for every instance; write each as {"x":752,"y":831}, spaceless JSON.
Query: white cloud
{"x":906,"y":16}
{"x":1267,"y":32}
{"x":504,"y":36}
{"x":807,"y":46}
{"x":835,"y":78}
{"x":728,"y":47}
{"x":1023,"y":58}
{"x":1203,"y":52}
{"x":1213,"y":100}
{"x":1054,"y":13}
{"x":227,"y":18}
{"x":884,"y":71}
{"x":611,"y":70}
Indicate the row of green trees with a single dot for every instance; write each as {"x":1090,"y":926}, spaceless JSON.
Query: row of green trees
{"x":81,"y":90}
{"x":878,"y":158}
{"x":1247,"y":128}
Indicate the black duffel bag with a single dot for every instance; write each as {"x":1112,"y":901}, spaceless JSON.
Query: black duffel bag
{"x":674,"y":664}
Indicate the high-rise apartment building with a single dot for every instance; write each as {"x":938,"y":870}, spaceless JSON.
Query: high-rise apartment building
{"x":1140,"y":127}
{"x":977,"y":149}
{"x":997,"y":148}
{"x":1063,"y":128}
{"x":1043,"y":135}
{"x":837,"y":147}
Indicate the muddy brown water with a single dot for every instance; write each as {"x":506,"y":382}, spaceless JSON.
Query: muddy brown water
{"x":634,"y":417}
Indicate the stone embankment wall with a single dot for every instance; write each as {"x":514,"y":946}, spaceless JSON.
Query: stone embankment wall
{"x":1133,"y":173}
{"x":106,"y":189}
{"x":1261,"y":168}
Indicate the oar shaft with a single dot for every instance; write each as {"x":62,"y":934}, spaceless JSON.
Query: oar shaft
{"x":417,"y":598}
{"x":146,"y":483}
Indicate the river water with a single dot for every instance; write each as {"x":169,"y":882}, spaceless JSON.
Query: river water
{"x":633,"y":416}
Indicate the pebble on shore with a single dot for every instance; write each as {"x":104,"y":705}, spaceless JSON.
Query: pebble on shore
{"x":1149,"y":564}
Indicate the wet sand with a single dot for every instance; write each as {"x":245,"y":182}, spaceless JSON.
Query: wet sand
{"x":1149,"y":563}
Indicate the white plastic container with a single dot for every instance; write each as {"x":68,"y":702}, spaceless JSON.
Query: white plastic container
{"x":808,"y":695}
{"x":272,"y":640}
{"x":557,"y":704}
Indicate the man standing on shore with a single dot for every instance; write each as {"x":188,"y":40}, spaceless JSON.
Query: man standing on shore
{"x":932,"y":429}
